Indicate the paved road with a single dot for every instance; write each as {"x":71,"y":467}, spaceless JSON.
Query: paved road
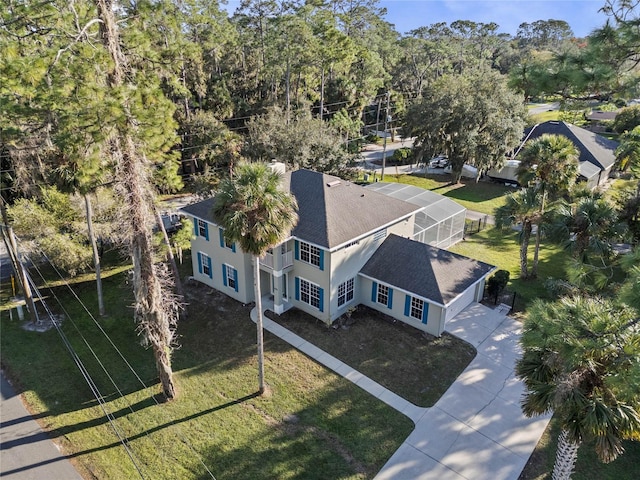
{"x":26,"y":452}
{"x":544,"y":107}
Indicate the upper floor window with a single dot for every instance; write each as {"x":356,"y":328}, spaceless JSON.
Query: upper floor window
{"x":224,"y":243}
{"x":309,"y":254}
{"x":201,"y":228}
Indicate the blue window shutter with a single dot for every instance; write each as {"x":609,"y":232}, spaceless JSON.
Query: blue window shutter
{"x":210,"y":269}
{"x":297,"y":249}
{"x":224,"y":274}
{"x":199,"y":262}
{"x":235,"y":278}
{"x":425,"y":312}
{"x":321,"y":298}
{"x":321,"y":259}
{"x":221,"y":237}
{"x":206,"y":231}
{"x":374,"y":292}
{"x":390,"y":298}
{"x":195,"y":226}
{"x":233,"y":247}
{"x":407,"y":305}
{"x":297,"y":288}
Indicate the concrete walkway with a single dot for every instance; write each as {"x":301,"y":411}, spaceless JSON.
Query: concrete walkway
{"x":476,"y":430}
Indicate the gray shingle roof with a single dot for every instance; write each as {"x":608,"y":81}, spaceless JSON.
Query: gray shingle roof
{"x":426,"y":271}
{"x":331,"y":211}
{"x":594,"y":148}
{"x":201,"y":210}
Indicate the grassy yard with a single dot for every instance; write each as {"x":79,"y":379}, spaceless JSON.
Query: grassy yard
{"x":315,"y":424}
{"x":482,"y":197}
{"x":502,"y":249}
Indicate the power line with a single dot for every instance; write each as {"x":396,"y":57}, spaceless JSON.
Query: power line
{"x":120,"y":354}
{"x":86,"y":375}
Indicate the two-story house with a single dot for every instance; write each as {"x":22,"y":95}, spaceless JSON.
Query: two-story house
{"x":351,"y":246}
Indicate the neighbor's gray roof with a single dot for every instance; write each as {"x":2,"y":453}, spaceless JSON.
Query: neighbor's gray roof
{"x":202,"y":210}
{"x":594,"y":148}
{"x":333,"y":211}
{"x":429,"y":272}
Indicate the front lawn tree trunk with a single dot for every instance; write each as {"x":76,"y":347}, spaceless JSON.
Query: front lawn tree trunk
{"x":566,"y":456}
{"x":155,"y":309}
{"x":524,"y":248}
{"x":260,"y":333}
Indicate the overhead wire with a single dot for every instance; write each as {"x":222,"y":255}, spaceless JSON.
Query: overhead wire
{"x":86,"y":375}
{"x":119,"y":352}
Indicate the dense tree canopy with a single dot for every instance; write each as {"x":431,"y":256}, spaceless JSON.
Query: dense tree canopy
{"x":472,"y":118}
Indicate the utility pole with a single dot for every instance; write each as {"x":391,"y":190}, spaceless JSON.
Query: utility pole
{"x":387,"y":118}
{"x":12,"y":248}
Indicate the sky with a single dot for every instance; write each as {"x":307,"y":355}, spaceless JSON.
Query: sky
{"x":581,"y":15}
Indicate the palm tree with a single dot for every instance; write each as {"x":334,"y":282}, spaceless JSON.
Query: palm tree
{"x":521,"y":207}
{"x":255,"y":212}
{"x":580,"y":360}
{"x":587,"y":227}
{"x":550,"y":164}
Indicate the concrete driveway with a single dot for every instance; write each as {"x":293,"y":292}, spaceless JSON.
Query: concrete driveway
{"x":476,"y":430}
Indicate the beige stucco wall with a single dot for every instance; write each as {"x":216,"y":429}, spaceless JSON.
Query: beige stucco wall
{"x":346,"y":262}
{"x":435,"y":317}
{"x":219,"y":256}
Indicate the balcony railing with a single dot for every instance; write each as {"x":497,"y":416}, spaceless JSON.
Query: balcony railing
{"x":286,"y":260}
{"x":267,"y":260}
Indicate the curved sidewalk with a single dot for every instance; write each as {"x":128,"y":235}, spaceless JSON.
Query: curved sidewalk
{"x":476,"y":431}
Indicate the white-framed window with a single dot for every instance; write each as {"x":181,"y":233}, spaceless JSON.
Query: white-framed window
{"x":383,"y":294}
{"x":309,"y":254}
{"x":203,"y":231}
{"x":232,"y":275}
{"x":417,"y":308}
{"x":345,"y":292}
{"x":309,"y":293}
{"x":204,"y":264}
{"x":224,"y":243}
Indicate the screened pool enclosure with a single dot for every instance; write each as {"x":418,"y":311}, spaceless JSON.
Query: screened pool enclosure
{"x":440,"y":222}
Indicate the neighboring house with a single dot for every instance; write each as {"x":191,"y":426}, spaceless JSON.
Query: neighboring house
{"x":351,"y":246}
{"x":597,"y":153}
{"x":600,"y":121}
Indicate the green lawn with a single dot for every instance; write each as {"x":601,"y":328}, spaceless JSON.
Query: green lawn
{"x":502,"y":249}
{"x":544,"y":117}
{"x":483,"y":197}
{"x":315,"y":424}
